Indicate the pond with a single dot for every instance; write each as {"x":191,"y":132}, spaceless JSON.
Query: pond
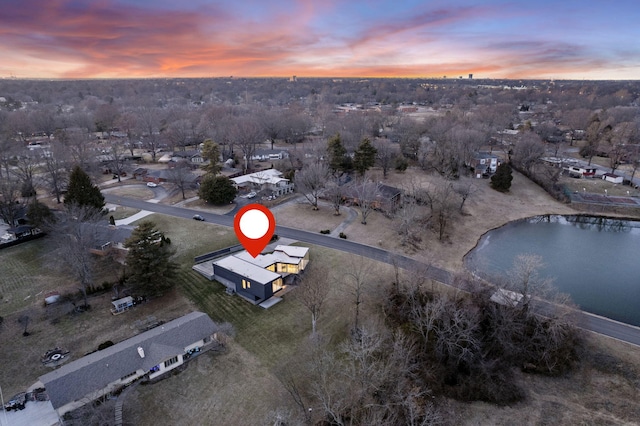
{"x":596,"y":260}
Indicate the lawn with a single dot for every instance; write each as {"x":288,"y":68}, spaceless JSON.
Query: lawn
{"x":19,"y":286}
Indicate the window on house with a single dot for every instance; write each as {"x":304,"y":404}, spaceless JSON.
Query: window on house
{"x":171,"y":361}
{"x":276,"y":285}
{"x":246,"y":284}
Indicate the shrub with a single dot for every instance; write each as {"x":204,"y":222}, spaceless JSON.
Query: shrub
{"x":325,"y":231}
{"x":343,"y":235}
{"x":401,"y":164}
{"x":105,"y":345}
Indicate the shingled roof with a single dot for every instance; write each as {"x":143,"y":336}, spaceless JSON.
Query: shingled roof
{"x":95,"y":371}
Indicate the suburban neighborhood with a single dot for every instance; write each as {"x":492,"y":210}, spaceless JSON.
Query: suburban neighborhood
{"x":121,"y":265}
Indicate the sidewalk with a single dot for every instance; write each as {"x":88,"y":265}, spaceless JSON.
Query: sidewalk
{"x":128,"y":220}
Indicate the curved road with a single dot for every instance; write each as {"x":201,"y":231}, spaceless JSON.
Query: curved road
{"x":624,"y":332}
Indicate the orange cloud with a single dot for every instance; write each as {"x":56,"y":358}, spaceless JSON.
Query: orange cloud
{"x":68,"y":38}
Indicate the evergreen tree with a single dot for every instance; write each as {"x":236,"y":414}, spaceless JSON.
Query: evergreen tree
{"x":151,"y":270}
{"x":338,"y":159}
{"x":365,"y":156}
{"x":217,"y":189}
{"x":39,"y":214}
{"x":501,"y":180}
{"x":82,"y":192}
{"x":211,"y":152}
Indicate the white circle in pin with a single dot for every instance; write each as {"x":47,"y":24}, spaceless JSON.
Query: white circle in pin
{"x":254,"y":224}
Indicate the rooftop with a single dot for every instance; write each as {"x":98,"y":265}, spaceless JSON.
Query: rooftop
{"x":97,"y":370}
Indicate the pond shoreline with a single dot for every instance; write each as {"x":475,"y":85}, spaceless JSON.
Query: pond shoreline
{"x":591,"y":257}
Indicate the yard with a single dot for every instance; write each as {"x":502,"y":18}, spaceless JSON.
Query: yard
{"x":238,"y":386}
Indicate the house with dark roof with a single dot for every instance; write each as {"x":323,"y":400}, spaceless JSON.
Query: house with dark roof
{"x":149,"y":355}
{"x":110,"y":241}
{"x":386,"y":197}
{"x":257,"y":279}
{"x":192,"y":157}
{"x":483,"y":164}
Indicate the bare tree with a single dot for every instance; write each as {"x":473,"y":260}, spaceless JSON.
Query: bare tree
{"x":312,"y":293}
{"x":127,"y":122}
{"x":117,"y":158}
{"x":443,"y":202}
{"x":409,"y":216}
{"x":335,"y":193}
{"x":76,"y":230}
{"x":465,"y":190}
{"x":311,"y":180}
{"x":598,"y":132}
{"x":56,"y":169}
{"x":386,"y":154}
{"x":366,"y":197}
{"x":357,"y":281}
{"x":77,"y":144}
{"x":10,"y":205}
{"x":525,"y":279}
{"x":149,"y":122}
{"x":528,"y":151}
{"x":247,"y":134}
{"x":180,"y":175}
{"x":26,"y":166}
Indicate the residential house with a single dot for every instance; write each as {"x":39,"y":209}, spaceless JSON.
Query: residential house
{"x":19,"y":234}
{"x":483,"y":164}
{"x":157,"y":176}
{"x":139,"y":173}
{"x":147,"y":355}
{"x":269,"y":180}
{"x":270,"y":154}
{"x":111,"y":241}
{"x":259,"y":279}
{"x":387,"y":198}
{"x":192,"y":157}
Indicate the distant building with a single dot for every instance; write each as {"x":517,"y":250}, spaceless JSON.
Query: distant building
{"x":265,"y":180}
{"x":483,"y":164}
{"x":470,"y":76}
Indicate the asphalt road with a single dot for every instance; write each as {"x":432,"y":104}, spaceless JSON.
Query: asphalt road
{"x":624,"y":332}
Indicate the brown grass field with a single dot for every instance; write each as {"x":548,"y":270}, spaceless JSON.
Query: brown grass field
{"x":238,"y":386}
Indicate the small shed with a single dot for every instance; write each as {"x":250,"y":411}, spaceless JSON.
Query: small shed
{"x":611,"y":177}
{"x":121,"y":305}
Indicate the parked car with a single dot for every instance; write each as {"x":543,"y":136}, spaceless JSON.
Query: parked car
{"x":152,"y":184}
{"x":251,"y":194}
{"x":198,"y":217}
{"x":17,"y":402}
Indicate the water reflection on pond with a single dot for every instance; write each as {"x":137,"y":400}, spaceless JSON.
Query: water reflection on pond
{"x":596,"y":260}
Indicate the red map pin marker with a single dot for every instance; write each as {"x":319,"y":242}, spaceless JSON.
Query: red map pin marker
{"x":254,"y":225}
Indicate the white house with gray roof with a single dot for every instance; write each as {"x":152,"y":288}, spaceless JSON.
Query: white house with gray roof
{"x":151,"y":354}
{"x":259,"y":279}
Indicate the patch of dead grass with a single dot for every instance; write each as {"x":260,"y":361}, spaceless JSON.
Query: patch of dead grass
{"x":230,"y":388}
{"x":300,"y":214}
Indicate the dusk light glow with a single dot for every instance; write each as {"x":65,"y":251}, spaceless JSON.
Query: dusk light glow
{"x":379,"y":38}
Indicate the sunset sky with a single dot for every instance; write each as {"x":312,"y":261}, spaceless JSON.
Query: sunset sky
{"x":568,"y":39}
